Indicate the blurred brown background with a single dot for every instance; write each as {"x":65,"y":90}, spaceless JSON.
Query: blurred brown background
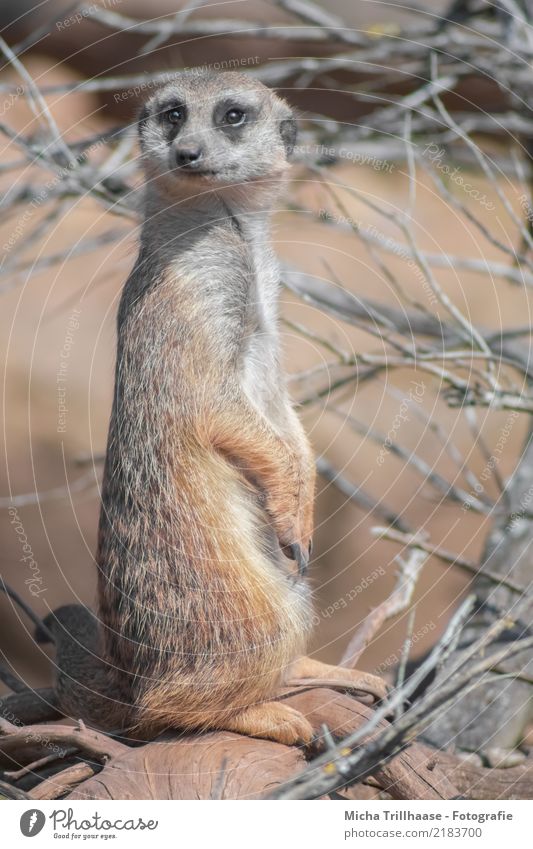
{"x":36,"y":308}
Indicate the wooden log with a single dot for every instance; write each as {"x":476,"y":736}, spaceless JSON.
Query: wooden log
{"x":223,"y":765}
{"x":230,"y":766}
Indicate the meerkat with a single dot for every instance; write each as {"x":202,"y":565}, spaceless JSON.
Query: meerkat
{"x":207,"y":498}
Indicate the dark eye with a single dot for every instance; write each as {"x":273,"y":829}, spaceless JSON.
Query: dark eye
{"x":234,"y":117}
{"x":175,"y":115}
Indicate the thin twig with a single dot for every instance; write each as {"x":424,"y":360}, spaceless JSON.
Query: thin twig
{"x":414,"y":541}
{"x":398,"y":601}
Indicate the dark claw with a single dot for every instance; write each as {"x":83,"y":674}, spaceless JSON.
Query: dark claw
{"x":301,"y":558}
{"x":310,"y":547}
{"x":294,"y":552}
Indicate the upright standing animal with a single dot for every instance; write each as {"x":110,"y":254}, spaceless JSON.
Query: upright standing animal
{"x":207,"y":500}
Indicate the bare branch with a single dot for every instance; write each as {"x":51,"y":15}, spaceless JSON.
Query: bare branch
{"x":398,"y":601}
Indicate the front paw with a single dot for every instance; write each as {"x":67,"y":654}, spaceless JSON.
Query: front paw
{"x":291,"y":514}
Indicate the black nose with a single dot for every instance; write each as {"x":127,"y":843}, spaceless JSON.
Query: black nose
{"x":188,"y":156}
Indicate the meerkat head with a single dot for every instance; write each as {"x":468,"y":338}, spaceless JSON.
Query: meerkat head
{"x":205,"y":130}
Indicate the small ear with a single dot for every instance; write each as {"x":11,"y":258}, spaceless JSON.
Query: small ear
{"x":288,"y":132}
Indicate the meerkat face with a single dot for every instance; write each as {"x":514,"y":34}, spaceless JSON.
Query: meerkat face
{"x":212,"y":130}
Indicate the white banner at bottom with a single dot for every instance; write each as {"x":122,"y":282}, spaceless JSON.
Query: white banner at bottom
{"x":272,"y":825}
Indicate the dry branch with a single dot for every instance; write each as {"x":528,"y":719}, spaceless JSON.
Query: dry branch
{"x":59,"y":785}
{"x":398,"y":601}
{"x":19,"y":742}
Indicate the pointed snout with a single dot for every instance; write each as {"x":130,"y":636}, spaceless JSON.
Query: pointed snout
{"x":188,"y":156}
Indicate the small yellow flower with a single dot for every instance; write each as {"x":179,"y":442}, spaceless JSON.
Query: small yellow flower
{"x":384,"y":28}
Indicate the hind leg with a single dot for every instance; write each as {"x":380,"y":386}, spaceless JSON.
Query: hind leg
{"x":272,"y":721}
{"x":306,"y":670}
